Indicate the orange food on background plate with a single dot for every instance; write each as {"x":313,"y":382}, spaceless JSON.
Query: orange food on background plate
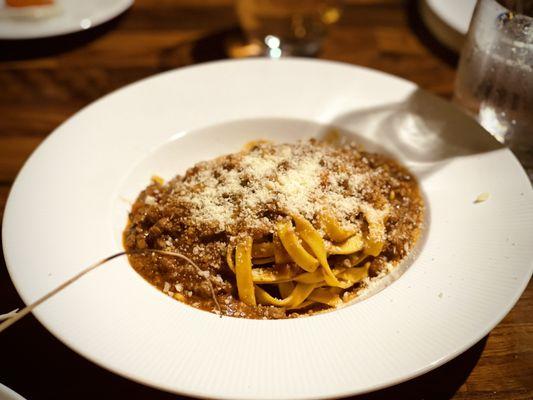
{"x":28,"y":3}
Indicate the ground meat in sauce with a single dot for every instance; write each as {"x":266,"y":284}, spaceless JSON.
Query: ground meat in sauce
{"x":244,"y":197}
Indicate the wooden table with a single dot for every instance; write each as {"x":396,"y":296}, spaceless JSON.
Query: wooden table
{"x":42,"y":83}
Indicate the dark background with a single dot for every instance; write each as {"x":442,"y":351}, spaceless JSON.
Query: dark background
{"x":43,"y":82}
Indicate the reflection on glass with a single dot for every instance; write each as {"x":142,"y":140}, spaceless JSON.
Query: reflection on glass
{"x":495,"y":75}
{"x":287,"y":27}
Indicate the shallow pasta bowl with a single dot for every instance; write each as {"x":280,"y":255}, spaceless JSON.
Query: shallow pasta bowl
{"x":71,"y":199}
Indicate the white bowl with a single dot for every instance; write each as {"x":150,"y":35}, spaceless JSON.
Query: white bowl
{"x":69,"y":204}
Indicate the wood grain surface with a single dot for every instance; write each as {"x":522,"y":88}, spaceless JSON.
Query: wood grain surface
{"x":44,"y":82}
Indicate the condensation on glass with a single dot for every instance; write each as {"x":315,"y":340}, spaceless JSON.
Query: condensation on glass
{"x":495,"y":76}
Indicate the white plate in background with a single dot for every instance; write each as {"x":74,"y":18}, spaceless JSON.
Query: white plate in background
{"x":448,"y":20}
{"x":8,"y":394}
{"x":72,"y":16}
{"x":68,"y":207}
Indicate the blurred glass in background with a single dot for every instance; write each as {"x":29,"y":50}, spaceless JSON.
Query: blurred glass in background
{"x":278,"y":28}
{"x":495,"y":76}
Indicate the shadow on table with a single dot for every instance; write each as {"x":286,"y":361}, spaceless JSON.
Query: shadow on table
{"x":24,"y":49}
{"x":439,"y":384}
{"x":212,"y":46}
{"x":217,"y":45}
{"x":416,"y":23}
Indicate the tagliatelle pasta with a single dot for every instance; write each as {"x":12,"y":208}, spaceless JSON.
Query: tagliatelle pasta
{"x":309,"y":286}
{"x":278,"y":230}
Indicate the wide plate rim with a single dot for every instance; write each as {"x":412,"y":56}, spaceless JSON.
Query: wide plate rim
{"x":497,"y":318}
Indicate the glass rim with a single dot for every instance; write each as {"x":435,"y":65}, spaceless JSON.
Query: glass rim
{"x":507,"y":9}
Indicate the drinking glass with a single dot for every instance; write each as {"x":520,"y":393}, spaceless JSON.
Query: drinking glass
{"x":495,"y":75}
{"x":287,"y":27}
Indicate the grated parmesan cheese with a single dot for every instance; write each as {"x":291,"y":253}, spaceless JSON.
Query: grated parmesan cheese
{"x":290,"y":179}
{"x":150,"y":200}
{"x":204,"y":274}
